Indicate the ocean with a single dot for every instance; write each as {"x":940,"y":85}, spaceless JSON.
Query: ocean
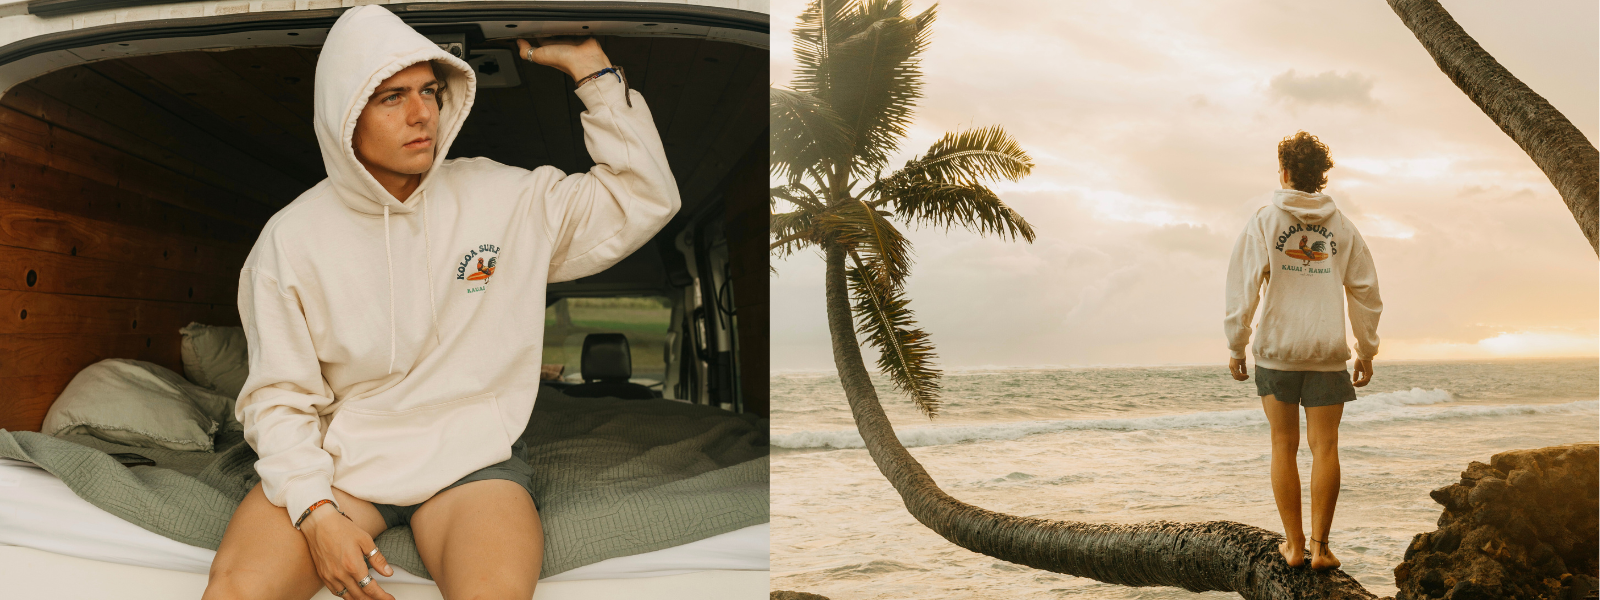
{"x":1125,"y":445}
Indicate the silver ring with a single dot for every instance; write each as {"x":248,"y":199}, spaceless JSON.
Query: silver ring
{"x":374,"y":551}
{"x":364,"y":581}
{"x":342,"y":592}
{"x":528,"y":54}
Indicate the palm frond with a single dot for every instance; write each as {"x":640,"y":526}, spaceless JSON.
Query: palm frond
{"x":821,"y":25}
{"x":970,"y":205}
{"x":794,"y":230}
{"x":868,"y":232}
{"x":905,"y":352}
{"x":796,"y":194}
{"x":967,"y":157}
{"x":874,"y":79}
{"x":805,"y":132}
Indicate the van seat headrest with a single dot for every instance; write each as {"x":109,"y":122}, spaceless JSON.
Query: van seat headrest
{"x":606,"y":358}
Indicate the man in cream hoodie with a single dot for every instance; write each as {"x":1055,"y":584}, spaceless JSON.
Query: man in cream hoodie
{"x":394,"y":315}
{"x":1313,"y":263}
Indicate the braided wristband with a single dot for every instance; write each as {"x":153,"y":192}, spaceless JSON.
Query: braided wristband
{"x":314,"y":506}
{"x":621,"y":78}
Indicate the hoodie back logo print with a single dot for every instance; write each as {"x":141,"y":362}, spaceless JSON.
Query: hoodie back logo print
{"x":1308,"y":251}
{"x":477,"y":266}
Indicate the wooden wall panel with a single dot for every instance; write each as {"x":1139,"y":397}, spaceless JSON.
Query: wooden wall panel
{"x":26,"y":182}
{"x":31,"y":354}
{"x":669,"y":66}
{"x":32,"y":140}
{"x":27,"y":270}
{"x":550,"y":113}
{"x":34,"y":312}
{"x":27,"y":226}
{"x":718,"y":139}
{"x":126,"y":213}
{"x":201,"y":91}
{"x":152,"y":140}
{"x":25,"y":400}
{"x":282,"y":74}
{"x":199,"y":116}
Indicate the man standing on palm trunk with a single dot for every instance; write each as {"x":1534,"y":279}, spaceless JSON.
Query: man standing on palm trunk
{"x":1311,"y":260}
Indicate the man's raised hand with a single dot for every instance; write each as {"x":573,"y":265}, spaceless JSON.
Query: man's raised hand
{"x":575,"y":56}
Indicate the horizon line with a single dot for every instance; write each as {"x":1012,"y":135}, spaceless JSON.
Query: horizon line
{"x":1058,"y":367}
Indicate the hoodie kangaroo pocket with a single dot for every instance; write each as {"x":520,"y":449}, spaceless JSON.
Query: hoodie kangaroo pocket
{"x":404,"y":457}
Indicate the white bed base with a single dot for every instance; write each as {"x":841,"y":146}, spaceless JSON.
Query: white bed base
{"x":26,"y":573}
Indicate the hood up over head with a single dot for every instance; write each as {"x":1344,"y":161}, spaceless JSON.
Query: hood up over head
{"x":1311,"y":208}
{"x":367,"y":45}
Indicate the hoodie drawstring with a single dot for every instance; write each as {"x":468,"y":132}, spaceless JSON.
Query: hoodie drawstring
{"x":389,"y":256}
{"x":428,"y":247}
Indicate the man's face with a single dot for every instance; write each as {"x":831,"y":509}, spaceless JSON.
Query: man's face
{"x":397,"y":129}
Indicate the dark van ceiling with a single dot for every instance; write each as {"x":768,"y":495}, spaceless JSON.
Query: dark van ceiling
{"x":253,"y":106}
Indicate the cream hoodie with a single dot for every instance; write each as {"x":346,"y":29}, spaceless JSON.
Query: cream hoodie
{"x":1310,"y":258}
{"x":395,"y":346}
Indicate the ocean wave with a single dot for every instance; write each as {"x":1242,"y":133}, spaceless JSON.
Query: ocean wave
{"x":1405,"y":405}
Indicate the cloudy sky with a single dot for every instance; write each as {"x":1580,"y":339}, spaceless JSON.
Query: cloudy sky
{"x":1154,"y":127}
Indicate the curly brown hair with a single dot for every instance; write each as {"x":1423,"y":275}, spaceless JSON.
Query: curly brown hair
{"x":1307,"y":161}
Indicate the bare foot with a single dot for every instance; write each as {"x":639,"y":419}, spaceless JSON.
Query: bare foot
{"x":1294,"y":556}
{"x":1324,"y":560}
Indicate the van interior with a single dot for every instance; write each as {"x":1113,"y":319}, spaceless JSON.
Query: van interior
{"x":138,"y":182}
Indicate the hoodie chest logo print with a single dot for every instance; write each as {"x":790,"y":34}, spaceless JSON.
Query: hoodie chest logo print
{"x":477,"y":266}
{"x":1308,"y":250}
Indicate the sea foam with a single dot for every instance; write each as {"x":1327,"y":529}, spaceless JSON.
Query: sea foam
{"x":1405,"y":405}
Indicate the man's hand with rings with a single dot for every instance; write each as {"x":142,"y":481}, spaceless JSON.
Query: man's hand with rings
{"x":575,"y":56}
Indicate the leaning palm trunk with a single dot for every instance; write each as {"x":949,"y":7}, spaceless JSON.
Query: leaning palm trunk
{"x":1211,"y":556}
{"x":1556,"y":146}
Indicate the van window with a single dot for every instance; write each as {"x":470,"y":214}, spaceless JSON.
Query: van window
{"x":644,"y":320}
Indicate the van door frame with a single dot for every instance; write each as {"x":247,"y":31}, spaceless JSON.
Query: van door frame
{"x":413,"y":13}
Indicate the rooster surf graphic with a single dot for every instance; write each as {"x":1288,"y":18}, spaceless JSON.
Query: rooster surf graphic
{"x":477,"y":276}
{"x":1309,"y":253}
{"x":484,"y":272}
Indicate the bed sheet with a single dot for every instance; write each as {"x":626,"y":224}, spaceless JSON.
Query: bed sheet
{"x":39,"y":511}
{"x":30,"y":573}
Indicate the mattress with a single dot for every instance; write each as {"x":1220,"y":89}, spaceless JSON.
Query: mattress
{"x":30,"y":573}
{"x":40,"y":512}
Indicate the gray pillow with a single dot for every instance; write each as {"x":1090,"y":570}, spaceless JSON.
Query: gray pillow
{"x":137,"y":403}
{"x":216,"y":358}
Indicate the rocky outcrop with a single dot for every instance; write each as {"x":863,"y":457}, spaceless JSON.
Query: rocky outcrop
{"x":1522,"y":527}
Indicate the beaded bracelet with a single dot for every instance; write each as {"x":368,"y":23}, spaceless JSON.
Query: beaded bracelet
{"x":314,"y":506}
{"x":621,"y":78}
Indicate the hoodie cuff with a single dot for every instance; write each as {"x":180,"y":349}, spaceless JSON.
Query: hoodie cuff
{"x":602,"y":92}
{"x":302,"y":492}
{"x":1236,"y":354}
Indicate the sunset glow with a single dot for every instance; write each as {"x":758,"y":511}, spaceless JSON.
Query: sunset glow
{"x":1154,"y":132}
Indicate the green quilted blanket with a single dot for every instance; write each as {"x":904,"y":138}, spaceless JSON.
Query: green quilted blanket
{"x":611,"y":478}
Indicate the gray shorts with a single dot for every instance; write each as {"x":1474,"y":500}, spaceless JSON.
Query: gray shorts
{"x":1306,"y":388}
{"x":513,"y":469}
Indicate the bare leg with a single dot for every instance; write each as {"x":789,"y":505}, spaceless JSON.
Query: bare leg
{"x":263,"y":556}
{"x":1322,"y":432}
{"x":481,"y":540}
{"x":1285,"y":420}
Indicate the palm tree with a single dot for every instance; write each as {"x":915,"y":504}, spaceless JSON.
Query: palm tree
{"x":832,"y":132}
{"x":1570,"y":161}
